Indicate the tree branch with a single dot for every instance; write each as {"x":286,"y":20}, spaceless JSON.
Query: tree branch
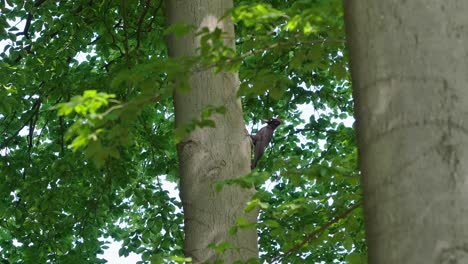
{"x":34,"y":110}
{"x":29,"y":18}
{"x":309,"y":237}
{"x":140,"y":22}
{"x":267,"y":48}
{"x":123,"y":5}
{"x":52,"y":35}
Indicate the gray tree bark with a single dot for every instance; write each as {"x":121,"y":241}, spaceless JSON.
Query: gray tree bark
{"x":211,"y":154}
{"x":410,"y":75}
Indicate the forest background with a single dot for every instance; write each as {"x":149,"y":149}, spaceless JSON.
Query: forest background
{"x":87,"y":143}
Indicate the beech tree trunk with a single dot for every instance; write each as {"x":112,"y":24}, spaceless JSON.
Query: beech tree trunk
{"x":211,"y":154}
{"x":410,"y":75}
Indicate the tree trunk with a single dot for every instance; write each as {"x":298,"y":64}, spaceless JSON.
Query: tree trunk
{"x":211,"y":154}
{"x":410,"y":73}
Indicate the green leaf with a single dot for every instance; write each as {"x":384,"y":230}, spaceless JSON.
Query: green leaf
{"x":156,"y":259}
{"x":271,"y":223}
{"x":348,"y":244}
{"x":222,"y":247}
{"x":355,"y":258}
{"x":179,"y":29}
{"x":179,"y":259}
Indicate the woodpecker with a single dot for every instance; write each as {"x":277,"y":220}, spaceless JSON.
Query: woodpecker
{"x":263,"y":138}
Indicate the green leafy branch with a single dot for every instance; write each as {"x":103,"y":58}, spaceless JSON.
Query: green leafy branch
{"x":309,"y":237}
{"x":225,"y":62}
{"x":215,"y":54}
{"x":86,"y":106}
{"x":204,"y":121}
{"x":257,"y":15}
{"x":251,"y":180}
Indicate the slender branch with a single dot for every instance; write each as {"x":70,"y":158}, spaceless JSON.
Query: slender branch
{"x":125,"y":29}
{"x":34,"y":108}
{"x":26,"y":26}
{"x":114,"y":42}
{"x":267,"y":48}
{"x":120,"y":106}
{"x":47,"y":119}
{"x":284,"y":44}
{"x":309,"y":237}
{"x":140,"y":22}
{"x":38,"y":3}
{"x":28,"y":48}
{"x":113,"y":108}
{"x":149,"y":27}
{"x":62,"y":136}
{"x":95,"y":40}
{"x":32,"y":126}
{"x":30,"y":138}
{"x":7,"y":124}
{"x":29,"y":18}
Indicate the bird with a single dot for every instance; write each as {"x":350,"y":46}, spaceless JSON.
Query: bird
{"x":263,"y":138}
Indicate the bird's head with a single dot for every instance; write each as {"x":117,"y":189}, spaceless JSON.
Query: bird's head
{"x":274,"y":122}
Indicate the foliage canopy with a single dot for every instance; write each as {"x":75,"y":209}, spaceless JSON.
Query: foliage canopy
{"x":87,"y":142}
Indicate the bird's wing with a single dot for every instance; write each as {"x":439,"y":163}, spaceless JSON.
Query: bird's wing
{"x":265,"y":134}
{"x":262,"y":140}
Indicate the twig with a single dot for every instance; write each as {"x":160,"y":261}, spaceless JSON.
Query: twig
{"x":62,"y":136}
{"x":120,"y":106}
{"x":34,"y":108}
{"x":154,"y":16}
{"x":315,"y":233}
{"x":125,"y":29}
{"x":29,"y":18}
{"x":140,"y":23}
{"x":32,"y":126}
{"x":269,"y":47}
